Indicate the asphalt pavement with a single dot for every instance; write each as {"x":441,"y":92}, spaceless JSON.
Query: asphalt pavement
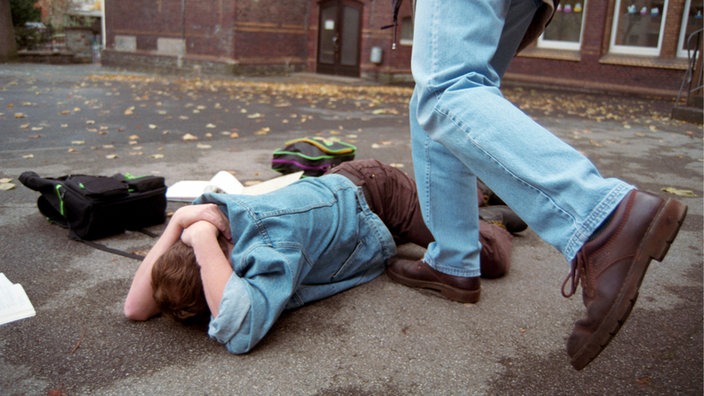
{"x":379,"y":338}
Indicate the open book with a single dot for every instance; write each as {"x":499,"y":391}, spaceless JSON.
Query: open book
{"x":14,"y":303}
{"x":225,"y":182}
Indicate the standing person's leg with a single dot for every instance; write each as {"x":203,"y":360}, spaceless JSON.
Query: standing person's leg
{"x":458,"y":105}
{"x":454,"y":41}
{"x":459,"y":54}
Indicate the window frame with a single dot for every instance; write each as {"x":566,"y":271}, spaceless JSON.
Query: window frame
{"x":402,"y":26}
{"x":681,"y":52}
{"x":565,"y":45}
{"x":631,"y":49}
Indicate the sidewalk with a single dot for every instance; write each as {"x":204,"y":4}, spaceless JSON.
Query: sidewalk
{"x":379,"y":338}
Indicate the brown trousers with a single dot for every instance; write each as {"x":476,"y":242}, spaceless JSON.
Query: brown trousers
{"x":391,"y":194}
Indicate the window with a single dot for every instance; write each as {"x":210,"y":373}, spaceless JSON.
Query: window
{"x":638,"y":27}
{"x":565,"y":29}
{"x":691,"y":21}
{"x":406,"y":31}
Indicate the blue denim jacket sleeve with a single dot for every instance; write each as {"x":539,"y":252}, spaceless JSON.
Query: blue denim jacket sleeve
{"x":252,"y":303}
{"x":312,"y":240}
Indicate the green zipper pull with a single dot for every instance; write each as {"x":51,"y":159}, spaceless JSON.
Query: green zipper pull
{"x":61,"y":199}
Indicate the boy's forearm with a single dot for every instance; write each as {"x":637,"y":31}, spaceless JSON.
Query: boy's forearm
{"x":215,"y":269}
{"x":140,"y":304}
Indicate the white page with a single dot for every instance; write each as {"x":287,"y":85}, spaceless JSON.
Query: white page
{"x":272,"y":184}
{"x":14,"y":303}
{"x":225,"y":182}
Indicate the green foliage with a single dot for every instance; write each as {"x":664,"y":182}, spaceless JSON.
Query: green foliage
{"x":24,"y":11}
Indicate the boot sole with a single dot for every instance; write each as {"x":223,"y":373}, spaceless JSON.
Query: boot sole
{"x":655,"y":244}
{"x":449,"y":292}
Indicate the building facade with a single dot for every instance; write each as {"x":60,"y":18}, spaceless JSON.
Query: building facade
{"x":635,"y":46}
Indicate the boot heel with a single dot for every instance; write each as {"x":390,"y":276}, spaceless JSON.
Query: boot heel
{"x":666,"y":227}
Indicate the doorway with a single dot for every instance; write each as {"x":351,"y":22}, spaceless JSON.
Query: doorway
{"x":339,"y":30}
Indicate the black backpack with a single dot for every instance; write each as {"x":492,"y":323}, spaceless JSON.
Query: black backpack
{"x":94,"y":207}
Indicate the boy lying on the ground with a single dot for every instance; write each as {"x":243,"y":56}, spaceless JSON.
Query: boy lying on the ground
{"x":240,"y":261}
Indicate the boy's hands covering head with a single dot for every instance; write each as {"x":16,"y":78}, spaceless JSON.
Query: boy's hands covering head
{"x":210,"y":213}
{"x":200,"y":229}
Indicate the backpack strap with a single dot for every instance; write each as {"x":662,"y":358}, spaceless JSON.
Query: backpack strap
{"x":118,"y":252}
{"x":108,"y":249}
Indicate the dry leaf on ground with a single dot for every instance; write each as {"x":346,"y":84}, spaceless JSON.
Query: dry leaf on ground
{"x":679,"y":192}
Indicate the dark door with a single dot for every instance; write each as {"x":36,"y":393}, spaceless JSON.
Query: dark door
{"x":338,"y":37}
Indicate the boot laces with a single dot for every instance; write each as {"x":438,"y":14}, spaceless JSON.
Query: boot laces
{"x":576,"y":274}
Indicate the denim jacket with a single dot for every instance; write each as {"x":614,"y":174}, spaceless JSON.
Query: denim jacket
{"x":310,"y":240}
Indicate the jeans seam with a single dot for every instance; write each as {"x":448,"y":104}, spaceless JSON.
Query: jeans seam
{"x":597,"y":216}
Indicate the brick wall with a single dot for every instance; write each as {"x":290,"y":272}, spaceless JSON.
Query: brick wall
{"x":594,"y":68}
{"x":265,"y":36}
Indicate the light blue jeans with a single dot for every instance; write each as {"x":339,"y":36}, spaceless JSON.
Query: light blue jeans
{"x":463,"y":128}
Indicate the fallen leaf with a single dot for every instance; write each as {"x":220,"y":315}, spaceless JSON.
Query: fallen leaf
{"x":203,"y":146}
{"x":111,"y":156}
{"x":385,"y":111}
{"x":643,"y":381}
{"x":210,"y":126}
{"x":262,"y":131}
{"x":152,"y":126}
{"x":679,"y":192}
{"x":129,"y":111}
{"x":189,"y":138}
{"x":20,"y":115}
{"x":5,"y":180}
{"x":133,"y":137}
{"x":28,"y":156}
{"x":157,"y":156}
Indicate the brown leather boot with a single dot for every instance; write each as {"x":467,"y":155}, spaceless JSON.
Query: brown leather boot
{"x":416,"y":273}
{"x":611,"y":266}
{"x":502,"y":216}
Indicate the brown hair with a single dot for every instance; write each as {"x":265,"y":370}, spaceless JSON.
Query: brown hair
{"x":177,"y":285}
